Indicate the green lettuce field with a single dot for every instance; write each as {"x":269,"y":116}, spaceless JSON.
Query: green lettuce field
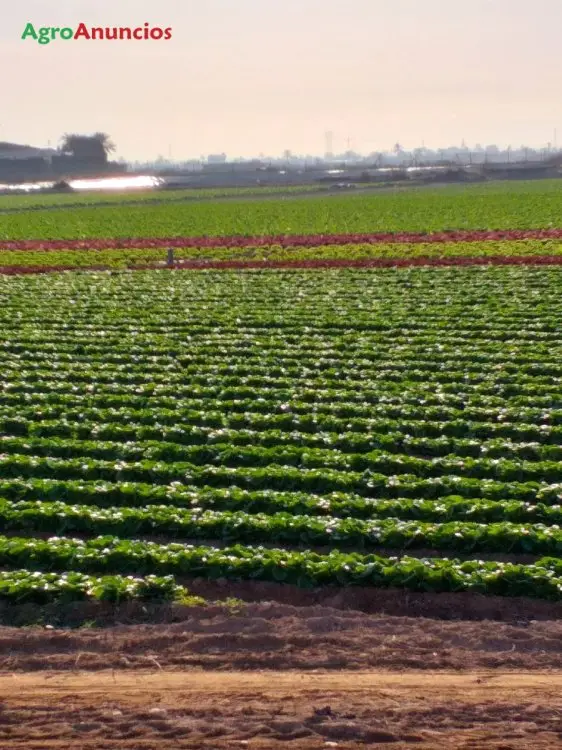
{"x":489,"y":206}
{"x":384,"y":427}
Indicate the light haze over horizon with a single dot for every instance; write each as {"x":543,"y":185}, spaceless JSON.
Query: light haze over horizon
{"x":252,"y":76}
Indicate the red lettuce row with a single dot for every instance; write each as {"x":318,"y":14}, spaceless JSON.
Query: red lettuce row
{"x":492,"y":260}
{"x":284,"y":240}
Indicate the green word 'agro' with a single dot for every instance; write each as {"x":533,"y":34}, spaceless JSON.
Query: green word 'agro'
{"x":46,"y":34}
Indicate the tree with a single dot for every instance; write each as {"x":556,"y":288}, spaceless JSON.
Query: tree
{"x":89,"y":148}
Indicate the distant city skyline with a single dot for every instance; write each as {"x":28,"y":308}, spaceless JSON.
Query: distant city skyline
{"x":418,"y":152}
{"x":250,"y":77}
{"x":521,"y":151}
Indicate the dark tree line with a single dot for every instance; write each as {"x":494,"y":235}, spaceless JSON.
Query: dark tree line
{"x":94,"y":148}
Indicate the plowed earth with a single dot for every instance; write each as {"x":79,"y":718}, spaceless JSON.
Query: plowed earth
{"x":274,"y":675}
{"x":291,"y":709}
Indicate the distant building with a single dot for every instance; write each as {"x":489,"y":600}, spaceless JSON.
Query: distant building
{"x":19,"y":162}
{"x":15,"y":151}
{"x":525,"y":170}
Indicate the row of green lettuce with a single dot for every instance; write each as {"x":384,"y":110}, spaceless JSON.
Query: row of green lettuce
{"x":184,"y":458}
{"x":546,"y":509}
{"x":338,"y":385}
{"x":271,"y":395}
{"x":237,"y":356}
{"x":427,"y":338}
{"x":306,"y":402}
{"x":384,"y":402}
{"x":282,"y":528}
{"x":277,"y":371}
{"x":279,"y":366}
{"x":276,"y":477}
{"x":104,"y":555}
{"x":136,"y":440}
{"x":264,"y":372}
{"x":36,"y":587}
{"x":59,"y":419}
{"x":11,"y":202}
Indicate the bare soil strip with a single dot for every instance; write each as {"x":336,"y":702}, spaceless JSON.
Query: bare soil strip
{"x":108,"y":710}
{"x":284,"y":637}
{"x":461,"y":605}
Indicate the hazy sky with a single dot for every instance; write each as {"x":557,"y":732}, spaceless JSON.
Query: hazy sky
{"x":251,"y":76}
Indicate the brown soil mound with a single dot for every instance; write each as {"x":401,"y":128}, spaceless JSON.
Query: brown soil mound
{"x":284,"y":637}
{"x":445,"y":606}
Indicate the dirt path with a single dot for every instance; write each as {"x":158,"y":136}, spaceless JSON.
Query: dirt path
{"x":125,"y":710}
{"x":273,"y":675}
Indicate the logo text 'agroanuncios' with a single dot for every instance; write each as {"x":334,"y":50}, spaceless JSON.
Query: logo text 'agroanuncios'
{"x":47,"y":34}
